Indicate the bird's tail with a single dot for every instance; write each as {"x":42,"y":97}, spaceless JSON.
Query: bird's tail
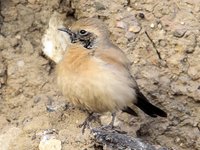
{"x":129,"y":111}
{"x":147,"y":107}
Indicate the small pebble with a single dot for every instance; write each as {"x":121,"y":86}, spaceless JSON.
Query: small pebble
{"x":129,"y":35}
{"x":159,"y":26}
{"x":134,"y":29}
{"x":152,"y":25}
{"x":50,"y":108}
{"x":190,"y":50}
{"x":179,"y":33}
{"x":129,"y":8}
{"x":36,"y":99}
{"x":162,"y":43}
{"x":181,"y":144}
{"x":182,"y":23}
{"x":141,"y":15}
{"x":32,"y":1}
{"x":20,"y":63}
{"x":51,"y":144}
{"x":177,"y":140}
{"x":18,"y":37}
{"x":2,"y":70}
{"x":198,"y":126}
{"x":121,"y":24}
{"x":14,"y":42}
{"x":99,"y":6}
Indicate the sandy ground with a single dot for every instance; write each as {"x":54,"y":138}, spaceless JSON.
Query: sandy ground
{"x":32,"y":108}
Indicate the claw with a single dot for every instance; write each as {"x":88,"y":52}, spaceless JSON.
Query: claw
{"x":110,"y":126}
{"x":86,"y":123}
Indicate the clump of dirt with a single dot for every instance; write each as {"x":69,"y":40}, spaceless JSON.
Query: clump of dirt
{"x":160,"y":38}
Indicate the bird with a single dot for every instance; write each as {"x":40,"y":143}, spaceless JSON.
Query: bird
{"x":95,"y":74}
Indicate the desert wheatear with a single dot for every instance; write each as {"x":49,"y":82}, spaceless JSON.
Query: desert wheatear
{"x":94,"y":74}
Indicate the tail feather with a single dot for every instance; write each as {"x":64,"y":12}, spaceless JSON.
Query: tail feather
{"x":147,"y":107}
{"x":130,"y":111}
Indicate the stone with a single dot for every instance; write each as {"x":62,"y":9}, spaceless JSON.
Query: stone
{"x":134,"y":29}
{"x":99,"y":6}
{"x":162,"y":43}
{"x":193,"y":73}
{"x":50,"y":144}
{"x":106,"y":119}
{"x":159,"y":26}
{"x":121,"y":24}
{"x":26,"y":17}
{"x":152,"y":25}
{"x":179,"y":33}
{"x":9,"y":14}
{"x":117,"y":140}
{"x":32,"y":1}
{"x":9,"y":136}
{"x":141,"y":15}
{"x":189,"y":49}
{"x":130,"y":35}
{"x":20,"y":63}
{"x":36,"y":123}
{"x":27,"y":46}
{"x":14,"y":42}
{"x":3,"y":43}
{"x":2,"y":70}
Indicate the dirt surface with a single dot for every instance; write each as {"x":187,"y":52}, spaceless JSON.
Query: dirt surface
{"x":161,"y":38}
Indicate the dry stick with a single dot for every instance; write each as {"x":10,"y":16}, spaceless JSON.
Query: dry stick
{"x":176,"y":3}
{"x":154,"y":45}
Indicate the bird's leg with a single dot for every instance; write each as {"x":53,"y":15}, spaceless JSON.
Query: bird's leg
{"x":85,"y":124}
{"x":111,"y":124}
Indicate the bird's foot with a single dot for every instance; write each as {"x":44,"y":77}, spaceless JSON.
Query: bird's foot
{"x":107,"y":127}
{"x":86,"y":123}
{"x":110,"y":126}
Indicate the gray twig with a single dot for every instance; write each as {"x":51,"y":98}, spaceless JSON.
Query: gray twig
{"x":154,"y":45}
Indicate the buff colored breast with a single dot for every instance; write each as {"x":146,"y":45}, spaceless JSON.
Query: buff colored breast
{"x":91,"y":83}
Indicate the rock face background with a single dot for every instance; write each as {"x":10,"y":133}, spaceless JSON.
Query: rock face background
{"x":161,"y":38}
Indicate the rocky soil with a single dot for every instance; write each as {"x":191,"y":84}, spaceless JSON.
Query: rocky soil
{"x":161,"y":38}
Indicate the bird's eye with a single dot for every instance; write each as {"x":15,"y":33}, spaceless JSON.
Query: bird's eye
{"x":83,"y":32}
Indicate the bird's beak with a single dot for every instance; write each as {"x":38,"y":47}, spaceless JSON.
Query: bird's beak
{"x":72,"y":35}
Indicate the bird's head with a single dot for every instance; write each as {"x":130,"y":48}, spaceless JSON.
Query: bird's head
{"x":89,"y":32}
